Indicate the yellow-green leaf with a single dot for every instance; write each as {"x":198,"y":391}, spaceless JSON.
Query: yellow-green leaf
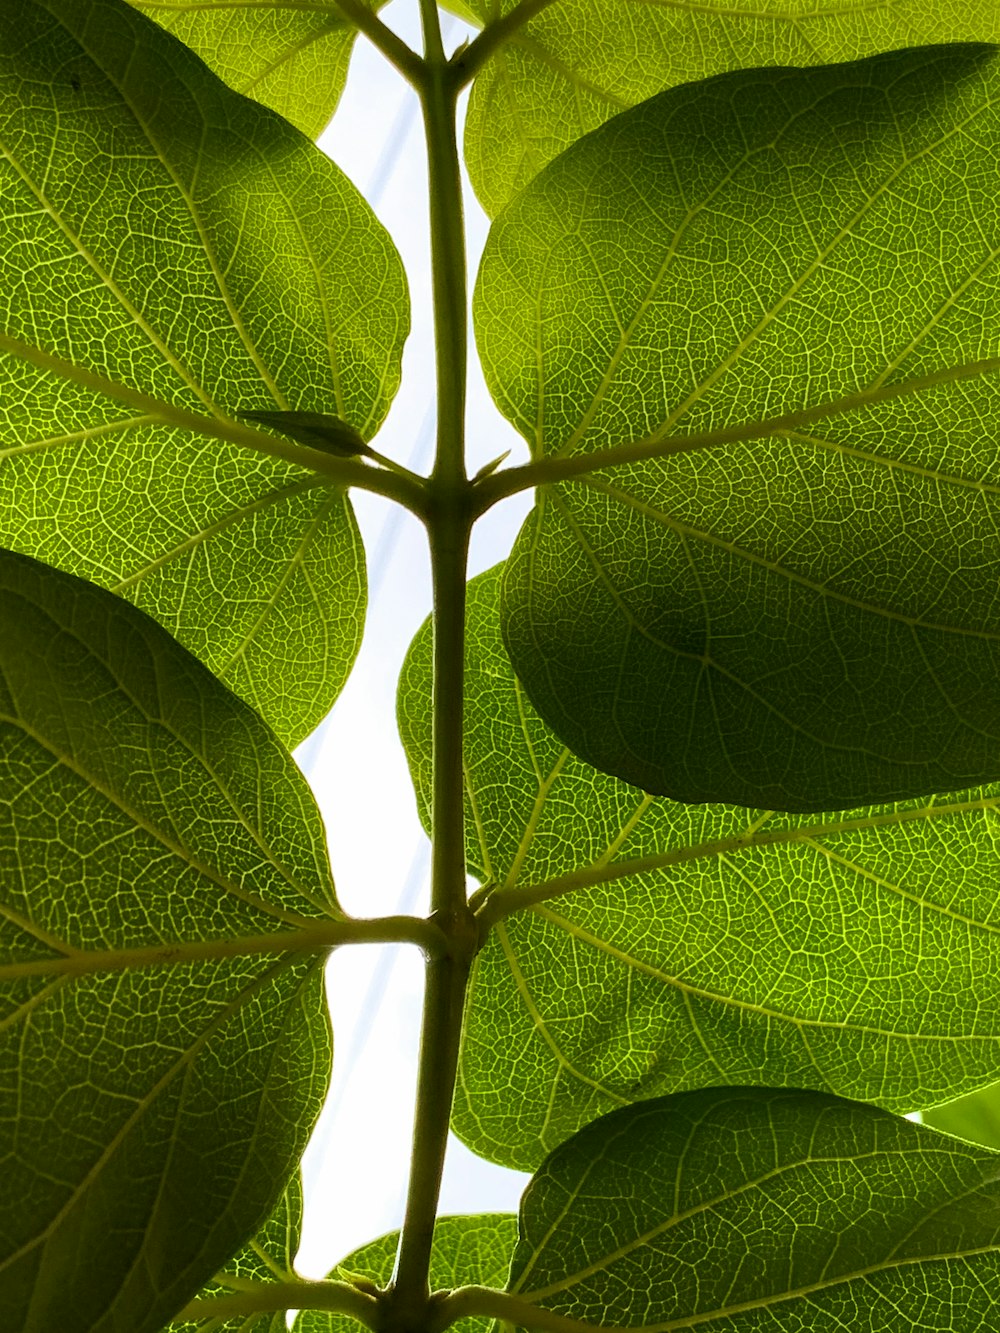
{"x":579,"y":62}
{"x":735,"y":1212}
{"x":163,"y":232}
{"x":291,"y":57}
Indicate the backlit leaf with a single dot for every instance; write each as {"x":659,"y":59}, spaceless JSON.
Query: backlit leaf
{"x":473,"y":1249}
{"x":268,"y":1256}
{"x":164,"y":232}
{"x":975,"y":1117}
{"x":317,"y":430}
{"x":809,"y":621}
{"x":736,"y":1212}
{"x":663,"y":947}
{"x":291,"y":57}
{"x":162,"y":1056}
{"x":579,"y":62}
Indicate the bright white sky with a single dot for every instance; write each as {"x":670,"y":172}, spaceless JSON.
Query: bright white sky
{"x":356,"y":1167}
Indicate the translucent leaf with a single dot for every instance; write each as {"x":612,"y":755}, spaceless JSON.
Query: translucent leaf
{"x":810,"y":620}
{"x":975,"y":1117}
{"x":171,"y":236}
{"x":314,"y":429}
{"x":742,"y":1211}
{"x":269,"y":1255}
{"x":467,"y":1250}
{"x":579,"y":62}
{"x":162,"y":1055}
{"x":290,"y":57}
{"x":662,"y":947}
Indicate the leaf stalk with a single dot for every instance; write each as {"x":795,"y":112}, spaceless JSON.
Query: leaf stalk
{"x":395,"y":50}
{"x":468,"y":62}
{"x":313,"y":937}
{"x":340,"y":1297}
{"x":396,"y":484}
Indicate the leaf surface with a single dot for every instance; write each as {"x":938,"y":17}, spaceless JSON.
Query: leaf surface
{"x":734,"y":1211}
{"x":808,"y":621}
{"x":162,"y":1055}
{"x":975,"y":1117}
{"x":268,"y":1256}
{"x":662,"y":947}
{"x":579,"y":62}
{"x":314,"y":429}
{"x":468,"y":1249}
{"x":291,"y":57}
{"x":169,"y":235}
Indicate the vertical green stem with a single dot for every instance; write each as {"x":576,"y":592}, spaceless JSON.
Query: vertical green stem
{"x":448,"y":517}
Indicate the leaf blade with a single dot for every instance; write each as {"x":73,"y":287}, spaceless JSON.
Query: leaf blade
{"x":800,"y":1209}
{"x":717,"y":946}
{"x":143,"y":805}
{"x":268,"y":1256}
{"x":744,"y":623}
{"x":294,"y":62}
{"x":575,"y":65}
{"x":202,"y":252}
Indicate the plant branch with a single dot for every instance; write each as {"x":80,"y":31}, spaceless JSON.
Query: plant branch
{"x":340,"y":1297}
{"x":444,"y":1003}
{"x":324,"y":935}
{"x":395,"y":50}
{"x":469,"y":62}
{"x":469,"y":1302}
{"x":406,"y":490}
{"x":556,"y":468}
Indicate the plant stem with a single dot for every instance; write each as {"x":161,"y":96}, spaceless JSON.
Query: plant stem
{"x":447,"y":518}
{"x":438,"y":97}
{"x":444,"y":1002}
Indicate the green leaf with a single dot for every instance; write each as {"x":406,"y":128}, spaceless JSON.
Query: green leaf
{"x":173,"y":237}
{"x":269,"y":1256}
{"x":467,"y":1250}
{"x":162,"y":1055}
{"x":738,"y":1211}
{"x":314,"y":429}
{"x":661,"y":947}
{"x":807,"y":621}
{"x":975,"y":1117}
{"x":579,"y":62}
{"x":292,"y":59}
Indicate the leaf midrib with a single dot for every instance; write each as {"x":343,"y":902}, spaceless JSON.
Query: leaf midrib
{"x":734,"y":548}
{"x":628,"y":960}
{"x":168,"y":842}
{"x":769,"y":316}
